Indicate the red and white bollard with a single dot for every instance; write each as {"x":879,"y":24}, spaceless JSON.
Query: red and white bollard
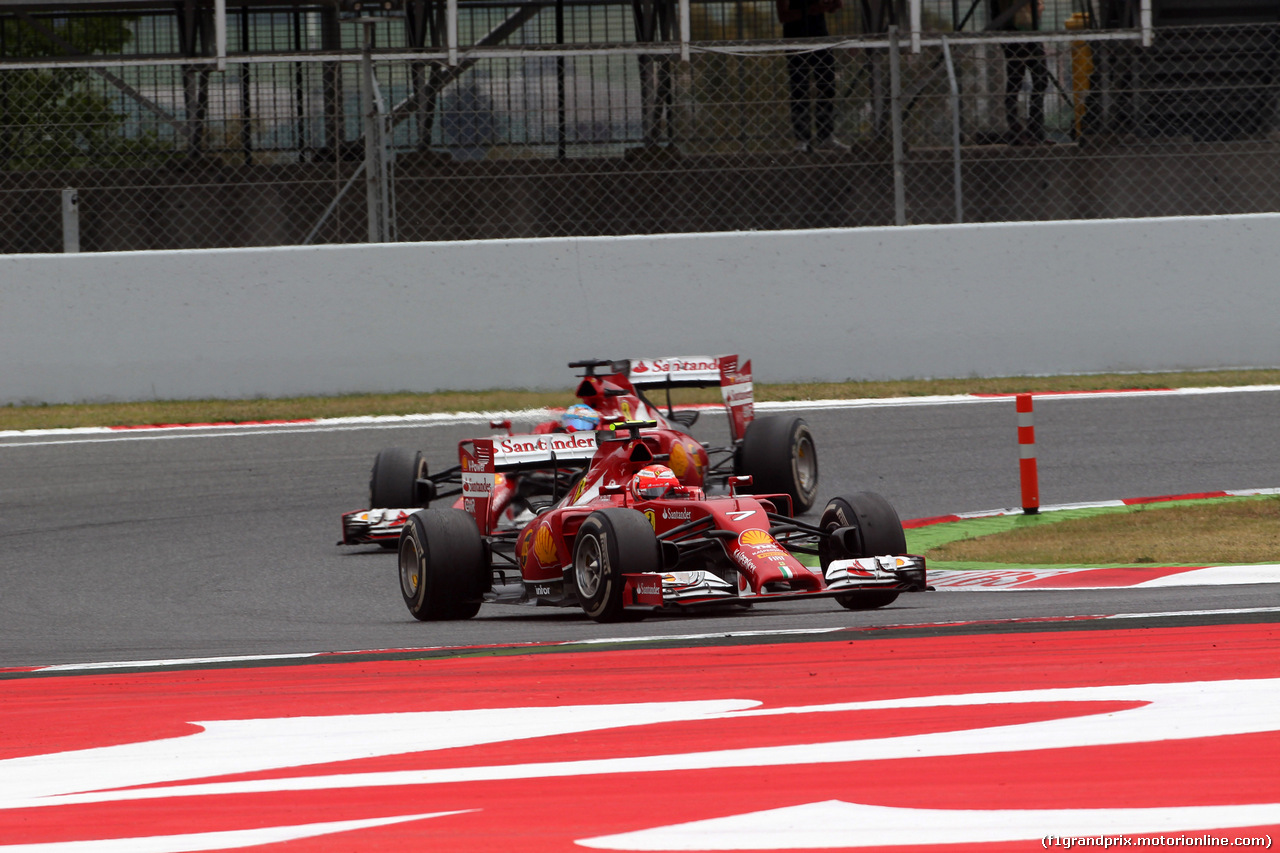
{"x":1027,"y":462}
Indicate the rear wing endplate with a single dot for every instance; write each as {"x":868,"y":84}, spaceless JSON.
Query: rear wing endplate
{"x":738,"y":393}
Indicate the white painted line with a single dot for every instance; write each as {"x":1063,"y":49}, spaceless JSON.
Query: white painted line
{"x":181,"y":662}
{"x":1017,"y":510}
{"x":1040,"y":397}
{"x":157,"y":435}
{"x":1160,"y":614}
{"x":92,"y":435}
{"x":877,"y":403}
{"x":649,"y":638}
{"x":780,"y":632}
{"x":74,"y":435}
{"x":77,"y":667}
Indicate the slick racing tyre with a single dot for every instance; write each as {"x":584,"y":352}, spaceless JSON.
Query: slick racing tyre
{"x":880,"y":531}
{"x":611,"y":542}
{"x":443,"y":570}
{"x":393,"y":482}
{"x":779,"y":454}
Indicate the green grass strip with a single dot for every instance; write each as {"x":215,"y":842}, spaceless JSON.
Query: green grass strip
{"x":920,"y":540}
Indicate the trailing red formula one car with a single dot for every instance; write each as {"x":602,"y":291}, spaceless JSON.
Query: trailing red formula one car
{"x":632,"y":539}
{"x":777,"y":452}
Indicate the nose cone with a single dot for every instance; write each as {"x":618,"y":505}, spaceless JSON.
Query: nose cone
{"x":768,"y":567}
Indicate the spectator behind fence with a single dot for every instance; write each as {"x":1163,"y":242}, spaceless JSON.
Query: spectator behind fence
{"x":812,"y":118}
{"x":1021,"y":59}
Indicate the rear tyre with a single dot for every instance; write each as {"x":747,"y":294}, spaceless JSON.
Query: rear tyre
{"x":880,"y":531}
{"x":611,"y":542}
{"x":393,"y":482}
{"x":443,"y":570}
{"x":779,"y":454}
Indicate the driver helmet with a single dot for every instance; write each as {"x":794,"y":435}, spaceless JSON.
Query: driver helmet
{"x":579,"y":417}
{"x":654,"y":481}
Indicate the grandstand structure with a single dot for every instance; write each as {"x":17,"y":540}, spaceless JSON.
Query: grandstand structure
{"x":147,"y":124}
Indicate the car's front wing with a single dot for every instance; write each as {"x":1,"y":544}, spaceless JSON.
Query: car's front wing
{"x":373,"y":526}
{"x":687,"y":589}
{"x":894,"y":572}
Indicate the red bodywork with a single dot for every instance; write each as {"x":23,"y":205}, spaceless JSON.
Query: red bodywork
{"x":762,"y":565}
{"x":616,"y":395}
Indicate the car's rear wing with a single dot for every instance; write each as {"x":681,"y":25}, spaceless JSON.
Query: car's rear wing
{"x":680,"y":372}
{"x":483,"y":459}
{"x":732,"y":374}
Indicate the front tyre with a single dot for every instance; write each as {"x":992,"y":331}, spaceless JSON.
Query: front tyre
{"x":779,"y":454}
{"x":879,"y":530}
{"x":610,"y":543}
{"x":443,"y":570}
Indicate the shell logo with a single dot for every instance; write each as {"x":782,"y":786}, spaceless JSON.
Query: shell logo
{"x":544,"y":546}
{"x":697,"y":456}
{"x":755,"y":537}
{"x":678,"y":459}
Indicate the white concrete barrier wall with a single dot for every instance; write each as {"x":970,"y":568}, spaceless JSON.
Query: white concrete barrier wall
{"x":872,"y":303}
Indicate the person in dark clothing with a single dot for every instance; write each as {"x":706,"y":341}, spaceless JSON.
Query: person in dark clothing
{"x":812,"y":118}
{"x":1021,"y":59}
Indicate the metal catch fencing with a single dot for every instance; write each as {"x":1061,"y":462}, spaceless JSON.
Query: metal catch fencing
{"x":509,"y":141}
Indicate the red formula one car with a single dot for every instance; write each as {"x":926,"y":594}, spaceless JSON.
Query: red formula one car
{"x":633,"y":539}
{"x":777,"y":452}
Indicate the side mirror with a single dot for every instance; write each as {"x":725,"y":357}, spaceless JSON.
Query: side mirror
{"x":739,"y":482}
{"x":612,"y":489}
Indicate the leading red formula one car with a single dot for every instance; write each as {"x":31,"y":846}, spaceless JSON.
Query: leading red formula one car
{"x":777,"y":451}
{"x":622,"y":545}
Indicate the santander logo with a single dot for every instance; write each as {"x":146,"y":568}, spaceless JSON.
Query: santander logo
{"x":689,"y":364}
{"x":557,"y":442}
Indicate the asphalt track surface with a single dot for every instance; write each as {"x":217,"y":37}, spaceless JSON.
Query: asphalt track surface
{"x":162,"y":545}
